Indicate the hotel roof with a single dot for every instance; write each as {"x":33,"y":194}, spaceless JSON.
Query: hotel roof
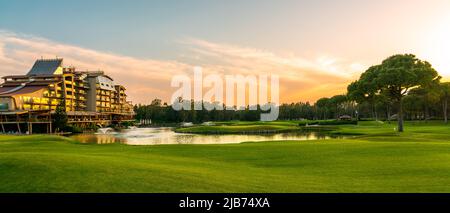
{"x":9,"y":91}
{"x":45,"y":66}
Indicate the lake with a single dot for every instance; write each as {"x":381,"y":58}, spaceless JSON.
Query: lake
{"x":155,"y":136}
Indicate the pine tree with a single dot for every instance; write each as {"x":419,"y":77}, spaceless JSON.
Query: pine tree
{"x":60,"y":116}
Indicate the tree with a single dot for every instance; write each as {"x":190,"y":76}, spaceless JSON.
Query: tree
{"x":384,"y":102}
{"x":156,"y":102}
{"x":366,"y":89}
{"x":445,"y":94}
{"x":400,"y":73}
{"x":322,"y":107}
{"x":337,"y":101}
{"x":428,"y":95}
{"x":393,"y":78}
{"x":60,"y":116}
{"x":414,"y":105}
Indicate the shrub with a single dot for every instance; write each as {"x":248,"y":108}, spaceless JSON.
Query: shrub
{"x":92,"y":127}
{"x":73,"y":129}
{"x":128,"y":123}
{"x":330,"y":122}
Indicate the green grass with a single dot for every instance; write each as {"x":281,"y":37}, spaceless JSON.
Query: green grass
{"x":256,"y":127}
{"x":243,"y":127}
{"x":377,"y":160}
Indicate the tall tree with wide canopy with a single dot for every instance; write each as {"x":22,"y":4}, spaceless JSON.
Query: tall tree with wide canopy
{"x":393,"y":78}
{"x":400,"y":73}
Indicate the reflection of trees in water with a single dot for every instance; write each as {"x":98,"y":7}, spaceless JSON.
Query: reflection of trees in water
{"x":98,"y":139}
{"x":106,"y":139}
{"x":167,"y":136}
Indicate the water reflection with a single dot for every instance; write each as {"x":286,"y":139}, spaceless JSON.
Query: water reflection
{"x":154,"y":136}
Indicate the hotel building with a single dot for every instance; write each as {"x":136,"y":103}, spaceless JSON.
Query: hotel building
{"x":90,"y":97}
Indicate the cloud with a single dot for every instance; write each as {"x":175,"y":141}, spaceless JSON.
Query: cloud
{"x":144,"y":79}
{"x":300,"y":79}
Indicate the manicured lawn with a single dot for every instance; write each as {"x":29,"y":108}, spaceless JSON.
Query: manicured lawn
{"x":252,"y":127}
{"x":243,"y":127}
{"x":377,"y":160}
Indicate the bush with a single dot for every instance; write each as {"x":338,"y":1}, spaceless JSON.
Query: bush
{"x":128,"y":123}
{"x":92,"y":127}
{"x":366,"y":119}
{"x":73,"y":129}
{"x":330,"y":122}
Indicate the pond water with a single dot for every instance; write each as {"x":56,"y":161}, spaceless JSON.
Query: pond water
{"x":154,"y":136}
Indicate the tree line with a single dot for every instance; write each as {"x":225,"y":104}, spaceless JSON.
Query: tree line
{"x":159,"y":112}
{"x":401,"y":87}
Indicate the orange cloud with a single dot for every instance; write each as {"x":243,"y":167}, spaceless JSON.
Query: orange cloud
{"x":300,"y":79}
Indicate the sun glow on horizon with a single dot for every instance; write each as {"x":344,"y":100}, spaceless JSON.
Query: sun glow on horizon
{"x":437,"y":46}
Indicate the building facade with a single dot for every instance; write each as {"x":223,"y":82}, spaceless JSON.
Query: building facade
{"x":90,"y":97}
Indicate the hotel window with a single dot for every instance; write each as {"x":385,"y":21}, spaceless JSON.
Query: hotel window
{"x":4,"y":106}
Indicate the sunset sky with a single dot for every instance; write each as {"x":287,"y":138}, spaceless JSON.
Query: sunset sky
{"x":316,"y":47}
